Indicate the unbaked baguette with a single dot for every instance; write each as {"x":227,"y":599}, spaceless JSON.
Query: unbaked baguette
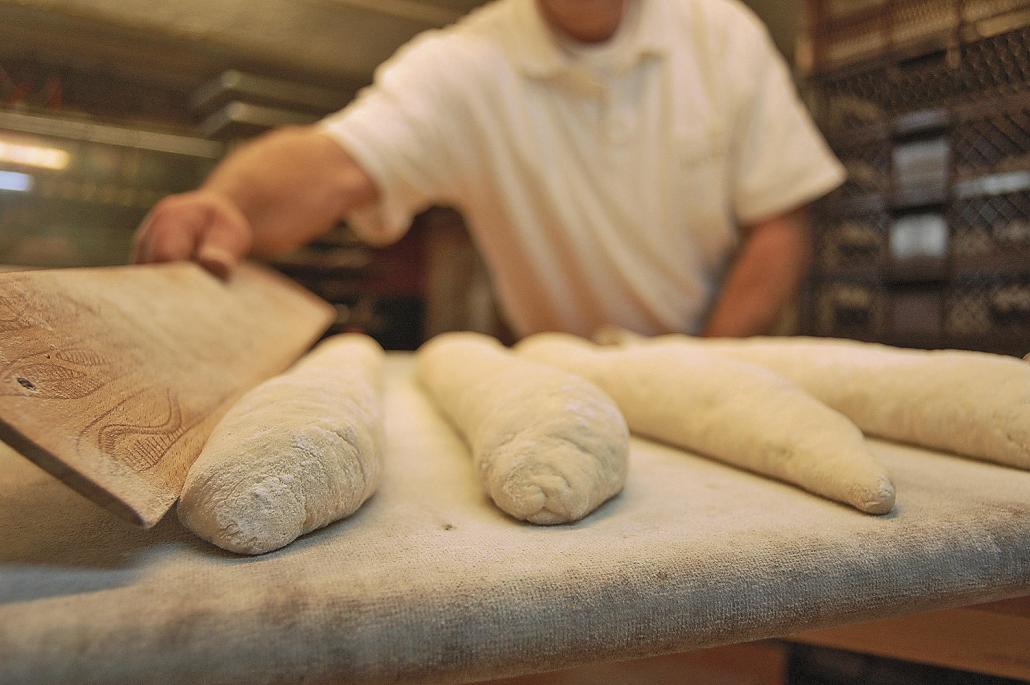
{"x":294,"y":454}
{"x":969,"y":403}
{"x":735,"y":412}
{"x":549,"y":447}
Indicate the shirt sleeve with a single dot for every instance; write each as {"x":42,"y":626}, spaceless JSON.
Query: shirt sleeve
{"x":399,"y":131}
{"x":780,"y":160}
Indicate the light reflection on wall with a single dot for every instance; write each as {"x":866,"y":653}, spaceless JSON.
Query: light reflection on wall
{"x":16,"y":181}
{"x":33,"y":155}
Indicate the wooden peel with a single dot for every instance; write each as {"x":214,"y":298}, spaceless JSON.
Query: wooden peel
{"x":111,"y":379}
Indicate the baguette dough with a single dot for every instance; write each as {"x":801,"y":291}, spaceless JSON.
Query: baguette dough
{"x":970,"y":403}
{"x":294,"y":454}
{"x":549,"y":446}
{"x":735,"y":412}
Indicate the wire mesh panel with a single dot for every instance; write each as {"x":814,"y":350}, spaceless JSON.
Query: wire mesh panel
{"x":990,"y":309}
{"x":853,"y":41}
{"x":920,"y":169}
{"x":915,"y":313}
{"x":923,"y":82}
{"x":927,"y":104}
{"x":915,"y":20}
{"x":975,"y":10}
{"x":943,"y":75}
{"x":997,"y":66}
{"x":842,"y":9}
{"x":993,"y":139}
{"x":852,"y":241}
{"x":852,"y":100}
{"x":844,"y":32}
{"x":867,"y":160}
{"x":850,"y":309}
{"x":991,"y":227}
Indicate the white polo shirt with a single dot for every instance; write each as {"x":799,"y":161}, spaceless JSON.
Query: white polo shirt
{"x":602,"y":186}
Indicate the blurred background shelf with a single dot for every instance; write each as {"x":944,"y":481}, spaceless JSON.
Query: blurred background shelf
{"x":927,"y":104}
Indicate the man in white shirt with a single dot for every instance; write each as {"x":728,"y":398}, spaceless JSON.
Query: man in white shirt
{"x":617,"y":162}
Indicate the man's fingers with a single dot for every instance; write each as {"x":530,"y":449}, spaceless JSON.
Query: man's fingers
{"x":225,"y":240}
{"x":170,"y":242}
{"x":168,"y":233}
{"x":216,"y":260}
{"x":204,"y":227}
{"x":138,"y":239}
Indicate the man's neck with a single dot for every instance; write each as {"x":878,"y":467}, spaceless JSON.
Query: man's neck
{"x":584,"y":21}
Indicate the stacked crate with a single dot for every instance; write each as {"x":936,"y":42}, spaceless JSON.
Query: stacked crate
{"x":927,"y":104}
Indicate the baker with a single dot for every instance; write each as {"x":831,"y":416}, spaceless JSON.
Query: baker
{"x":639,"y":163}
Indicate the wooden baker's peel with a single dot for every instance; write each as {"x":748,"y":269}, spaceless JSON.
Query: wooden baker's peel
{"x":111,"y":379}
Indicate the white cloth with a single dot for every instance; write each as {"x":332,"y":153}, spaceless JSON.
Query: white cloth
{"x":430,"y":583}
{"x":597,"y":195}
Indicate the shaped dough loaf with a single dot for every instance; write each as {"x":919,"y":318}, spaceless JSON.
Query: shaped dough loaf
{"x":549,"y":446}
{"x":738,"y":413}
{"x":969,"y":403}
{"x":294,"y":454}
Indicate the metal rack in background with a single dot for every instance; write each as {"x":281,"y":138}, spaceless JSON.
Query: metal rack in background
{"x":927,"y":104}
{"x":72,"y":190}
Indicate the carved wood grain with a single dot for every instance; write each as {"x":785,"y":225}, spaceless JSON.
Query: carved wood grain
{"x":112,"y":379}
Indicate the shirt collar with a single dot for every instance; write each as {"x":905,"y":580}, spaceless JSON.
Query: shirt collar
{"x":538,"y":54}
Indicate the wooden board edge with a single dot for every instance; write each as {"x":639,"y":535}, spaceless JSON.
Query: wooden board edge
{"x":144,"y":515}
{"x":150,"y":507}
{"x":970,"y":637}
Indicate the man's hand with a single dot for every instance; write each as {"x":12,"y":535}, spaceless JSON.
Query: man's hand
{"x":201,"y":225}
{"x":273,"y":194}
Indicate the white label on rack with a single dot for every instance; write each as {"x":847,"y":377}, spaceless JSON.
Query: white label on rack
{"x":919,"y":235}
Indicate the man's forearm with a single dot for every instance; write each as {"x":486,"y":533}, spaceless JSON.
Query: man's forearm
{"x":292,"y":185}
{"x":764,"y":278}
